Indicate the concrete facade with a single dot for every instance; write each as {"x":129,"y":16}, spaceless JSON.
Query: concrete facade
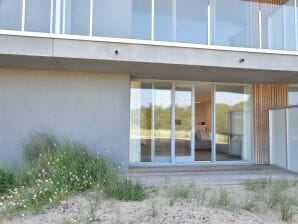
{"x":79,"y":88}
{"x":147,"y":59}
{"x":92,"y":108}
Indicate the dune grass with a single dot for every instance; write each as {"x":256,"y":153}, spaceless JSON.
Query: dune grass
{"x":55,"y":170}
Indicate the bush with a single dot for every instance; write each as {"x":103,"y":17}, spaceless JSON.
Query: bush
{"x":250,"y":203}
{"x":221,"y":198}
{"x":287,"y":208}
{"x":7,"y":181}
{"x":55,"y":170}
{"x":179,"y":191}
{"x":123,"y":188}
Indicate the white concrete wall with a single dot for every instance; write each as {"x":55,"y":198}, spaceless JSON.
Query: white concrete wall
{"x":90,"y":107}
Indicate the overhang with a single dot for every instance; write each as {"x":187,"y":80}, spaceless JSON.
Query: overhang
{"x":147,"y":59}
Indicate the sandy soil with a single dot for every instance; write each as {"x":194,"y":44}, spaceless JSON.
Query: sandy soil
{"x":157,"y":209}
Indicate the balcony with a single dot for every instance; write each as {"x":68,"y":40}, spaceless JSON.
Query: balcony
{"x":258,"y":24}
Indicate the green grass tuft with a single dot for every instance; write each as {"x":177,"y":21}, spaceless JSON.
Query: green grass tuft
{"x":250,"y":203}
{"x":179,"y":191}
{"x":220,"y":198}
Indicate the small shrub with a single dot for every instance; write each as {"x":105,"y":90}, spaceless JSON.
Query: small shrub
{"x":202,"y":195}
{"x":287,"y":208}
{"x":275,"y":196}
{"x":122,"y":188}
{"x":250,"y":203}
{"x":220,"y":198}
{"x":224,"y":198}
{"x":279,"y":198}
{"x":179,"y":191}
{"x":213,"y":200}
{"x":7,"y":181}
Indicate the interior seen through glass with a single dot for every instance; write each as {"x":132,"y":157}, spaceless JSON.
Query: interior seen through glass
{"x":233,"y":123}
{"x":203,"y":123}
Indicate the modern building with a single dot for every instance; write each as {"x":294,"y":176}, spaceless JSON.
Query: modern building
{"x":153,"y":82}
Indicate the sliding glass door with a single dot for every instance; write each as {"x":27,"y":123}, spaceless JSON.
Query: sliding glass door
{"x":162,"y":122}
{"x":233,"y":123}
{"x":174,"y":122}
{"x":151,"y":122}
{"x":141,"y":122}
{"x":183,"y":123}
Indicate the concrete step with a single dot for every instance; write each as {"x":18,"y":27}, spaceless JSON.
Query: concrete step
{"x":209,"y":168}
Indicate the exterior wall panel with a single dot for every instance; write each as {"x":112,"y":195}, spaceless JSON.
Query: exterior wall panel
{"x":92,"y":108}
{"x":265,"y":96}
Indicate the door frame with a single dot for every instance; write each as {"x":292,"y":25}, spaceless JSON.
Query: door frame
{"x":213,"y":108}
{"x":183,"y":159}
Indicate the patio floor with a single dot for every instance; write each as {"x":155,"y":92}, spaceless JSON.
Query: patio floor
{"x":206,"y":175}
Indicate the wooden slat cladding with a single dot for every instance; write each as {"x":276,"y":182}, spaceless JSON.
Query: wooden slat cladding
{"x":265,"y":96}
{"x":275,"y":2}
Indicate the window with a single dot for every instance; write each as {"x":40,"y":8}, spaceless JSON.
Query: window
{"x":11,"y":14}
{"x":38,"y":15}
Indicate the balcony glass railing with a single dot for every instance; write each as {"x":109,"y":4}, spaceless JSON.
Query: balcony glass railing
{"x":265,"y":24}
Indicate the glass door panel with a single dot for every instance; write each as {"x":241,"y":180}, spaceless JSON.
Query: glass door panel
{"x":162,"y":121}
{"x":183,"y":123}
{"x":141,"y":121}
{"x":203,"y":122}
{"x":233,"y":123}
